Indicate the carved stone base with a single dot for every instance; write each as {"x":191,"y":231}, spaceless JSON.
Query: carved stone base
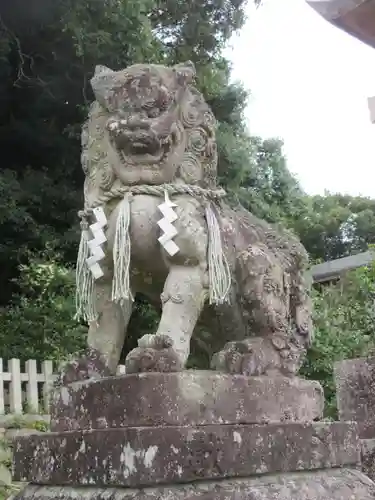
{"x":187,"y":398}
{"x":339,"y":484}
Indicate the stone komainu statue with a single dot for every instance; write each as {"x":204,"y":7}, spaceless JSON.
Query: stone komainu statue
{"x":154,"y":222}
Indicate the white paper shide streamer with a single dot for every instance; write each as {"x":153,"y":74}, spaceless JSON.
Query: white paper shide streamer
{"x":95,"y":244}
{"x":166,"y":225}
{"x":88,"y":268}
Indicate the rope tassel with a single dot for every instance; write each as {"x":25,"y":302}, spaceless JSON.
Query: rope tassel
{"x":85,"y":303}
{"x":121,"y":254}
{"x":218,"y":267}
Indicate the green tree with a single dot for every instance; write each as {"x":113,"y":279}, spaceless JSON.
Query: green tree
{"x":196,"y":29}
{"x":267,"y":188}
{"x":336,"y":225}
{"x":40,"y":323}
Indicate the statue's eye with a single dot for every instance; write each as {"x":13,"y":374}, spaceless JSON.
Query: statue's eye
{"x":153,"y":112}
{"x":164,"y":98}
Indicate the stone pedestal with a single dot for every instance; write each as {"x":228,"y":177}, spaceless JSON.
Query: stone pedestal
{"x":355,"y":382}
{"x":189,"y":398}
{"x":192,"y":435}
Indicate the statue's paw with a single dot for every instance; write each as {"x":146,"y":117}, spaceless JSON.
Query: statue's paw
{"x":155,"y":341}
{"x":230,"y":359}
{"x":273,"y":356}
{"x":89,"y":365}
{"x":252,"y":357}
{"x":153,"y":354}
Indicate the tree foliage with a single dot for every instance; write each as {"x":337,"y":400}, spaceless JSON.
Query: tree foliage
{"x":39,"y":323}
{"x":336,"y":225}
{"x":196,"y":29}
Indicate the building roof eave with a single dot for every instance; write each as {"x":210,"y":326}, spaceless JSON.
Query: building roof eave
{"x":356,"y":17}
{"x":330,"y":270}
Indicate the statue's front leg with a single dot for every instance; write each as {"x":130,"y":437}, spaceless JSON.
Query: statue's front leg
{"x":182,"y":299}
{"x":105,"y":338}
{"x":184,"y":293}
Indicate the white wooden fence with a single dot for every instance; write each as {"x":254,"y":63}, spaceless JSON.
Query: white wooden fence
{"x":27,"y":391}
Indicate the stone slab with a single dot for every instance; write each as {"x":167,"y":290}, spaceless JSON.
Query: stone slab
{"x":355,"y":382}
{"x":185,"y":398}
{"x":339,"y":484}
{"x":368,"y":457}
{"x":135,"y":457}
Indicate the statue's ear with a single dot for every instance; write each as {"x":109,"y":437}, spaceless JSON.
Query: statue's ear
{"x":101,"y":83}
{"x":185,"y":72}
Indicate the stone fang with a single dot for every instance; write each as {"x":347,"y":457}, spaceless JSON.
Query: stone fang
{"x":165,"y":224}
{"x":96,"y":251}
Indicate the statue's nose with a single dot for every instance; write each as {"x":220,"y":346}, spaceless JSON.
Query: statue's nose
{"x":137,"y":121}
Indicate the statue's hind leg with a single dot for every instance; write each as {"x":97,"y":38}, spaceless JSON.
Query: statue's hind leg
{"x":182,"y":299}
{"x":274,"y":348}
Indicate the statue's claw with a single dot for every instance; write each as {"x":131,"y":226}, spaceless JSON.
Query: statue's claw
{"x":90,"y":365}
{"x":153,"y":354}
{"x":259,"y":356}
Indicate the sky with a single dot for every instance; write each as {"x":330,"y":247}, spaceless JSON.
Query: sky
{"x":309,"y":84}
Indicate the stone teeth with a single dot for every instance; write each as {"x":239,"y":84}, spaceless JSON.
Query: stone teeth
{"x":165,"y":140}
{"x":113,"y":125}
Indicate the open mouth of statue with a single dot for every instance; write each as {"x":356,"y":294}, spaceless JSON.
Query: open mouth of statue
{"x":140,"y":146}
{"x":144,"y":151}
